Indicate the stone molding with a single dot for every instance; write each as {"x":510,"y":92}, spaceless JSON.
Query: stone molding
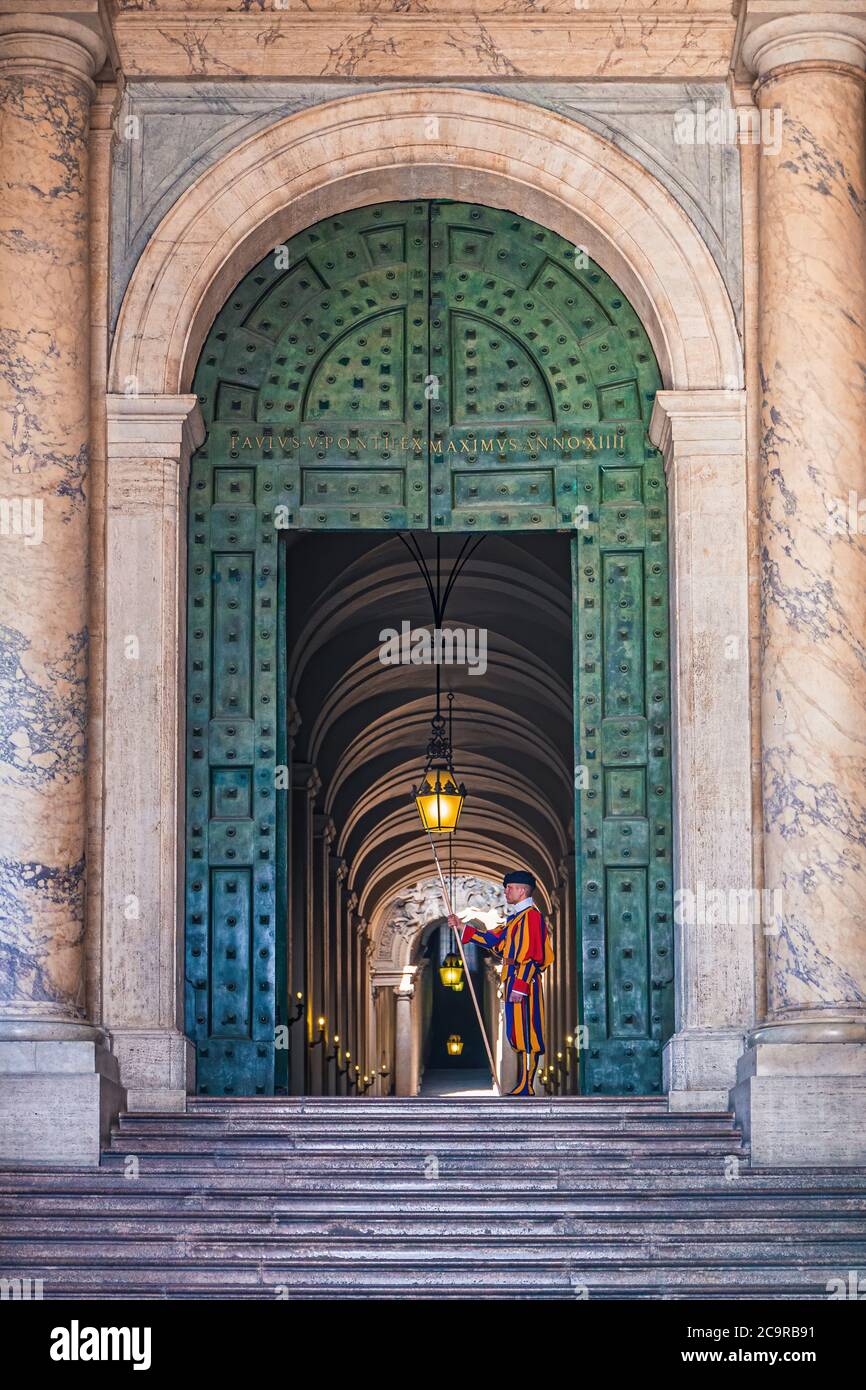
{"x":689,"y":424}
{"x":181,"y":128}
{"x":492,"y":38}
{"x":775,"y":34}
{"x":153,"y":426}
{"x":50,"y":43}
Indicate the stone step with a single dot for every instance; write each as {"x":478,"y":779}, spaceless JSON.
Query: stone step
{"x":206,"y":1127}
{"x":297,"y":1169}
{"x":283,"y":1249}
{"x":343,"y":1110}
{"x":175,"y":1175}
{"x":481,"y":1147}
{"x":325,"y":1199}
{"x":54,"y":1215}
{"x":516,"y":1277}
{"x":183,"y":1178}
{"x":593,"y":1191}
{"x":417,"y":1225}
{"x":346,"y":1116}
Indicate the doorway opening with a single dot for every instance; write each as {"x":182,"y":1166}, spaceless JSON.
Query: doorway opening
{"x":365,"y":910}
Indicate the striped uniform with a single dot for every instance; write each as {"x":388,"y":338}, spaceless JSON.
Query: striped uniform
{"x":526,"y":949}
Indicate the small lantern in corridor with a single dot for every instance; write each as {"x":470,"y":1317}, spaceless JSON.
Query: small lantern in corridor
{"x":451,"y":972}
{"x":454,"y":1045}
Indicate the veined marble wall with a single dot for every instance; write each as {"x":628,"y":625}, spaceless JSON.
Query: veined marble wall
{"x":168,"y":133}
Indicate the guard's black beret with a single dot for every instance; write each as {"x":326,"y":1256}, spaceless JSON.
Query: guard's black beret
{"x":520,"y":876}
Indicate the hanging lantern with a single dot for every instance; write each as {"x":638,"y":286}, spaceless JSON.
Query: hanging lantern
{"x":439,"y":797}
{"x":454,"y":1045}
{"x":451,"y":972}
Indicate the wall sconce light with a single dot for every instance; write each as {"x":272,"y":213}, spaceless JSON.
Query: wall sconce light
{"x":299,"y":1009}
{"x":333,"y":1056}
{"x":323,"y":1029}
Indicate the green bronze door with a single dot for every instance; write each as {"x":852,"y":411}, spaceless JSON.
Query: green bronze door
{"x":411,"y":366}
{"x":623,"y":774}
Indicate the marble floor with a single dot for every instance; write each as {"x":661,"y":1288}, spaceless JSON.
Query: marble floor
{"x":457,"y":1083}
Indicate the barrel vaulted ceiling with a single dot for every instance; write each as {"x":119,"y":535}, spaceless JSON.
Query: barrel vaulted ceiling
{"x":365,"y":725}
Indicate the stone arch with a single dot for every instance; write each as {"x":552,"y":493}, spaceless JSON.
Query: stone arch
{"x":425,"y":142}
{"x":398,"y":923}
{"x":399,"y":927}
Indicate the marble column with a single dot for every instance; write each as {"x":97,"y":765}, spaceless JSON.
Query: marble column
{"x":404,"y":1078}
{"x":304,"y":785}
{"x":337,"y":870}
{"x":418,"y":1039}
{"x":802,"y":1081}
{"x":58,"y":1082}
{"x":385,"y":1040}
{"x":346,"y":982}
{"x":323,"y":837}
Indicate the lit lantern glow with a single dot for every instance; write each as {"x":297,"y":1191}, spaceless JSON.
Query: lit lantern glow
{"x":451,"y":972}
{"x":439,"y":797}
{"x":454,"y":1045}
{"x":439,"y":800}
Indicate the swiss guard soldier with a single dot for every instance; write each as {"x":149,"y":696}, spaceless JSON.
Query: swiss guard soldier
{"x":526,"y":949}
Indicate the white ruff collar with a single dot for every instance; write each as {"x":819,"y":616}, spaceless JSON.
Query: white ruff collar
{"x":512,"y":909}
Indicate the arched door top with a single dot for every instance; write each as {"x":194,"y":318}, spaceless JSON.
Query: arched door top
{"x":427,"y":363}
{"x":432,"y":143}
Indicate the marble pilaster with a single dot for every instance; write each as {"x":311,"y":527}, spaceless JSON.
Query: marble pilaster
{"x":55,"y":1100}
{"x":801,"y":1091}
{"x":101,"y":115}
{"x":702,"y":437}
{"x":150,"y":440}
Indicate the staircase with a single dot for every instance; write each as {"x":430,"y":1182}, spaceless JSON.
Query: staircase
{"x":425,"y":1198}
